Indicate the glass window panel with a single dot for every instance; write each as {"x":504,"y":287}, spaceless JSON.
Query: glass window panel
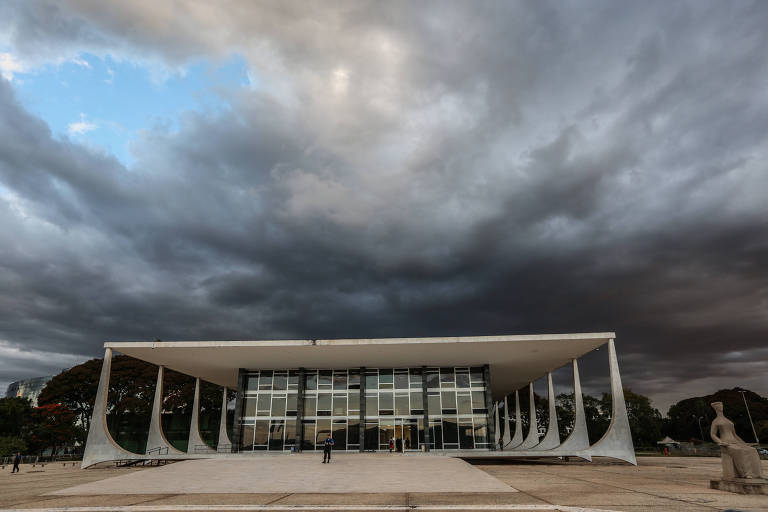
{"x":434,"y":403}
{"x":290,"y":404}
{"x":466,"y":439}
{"x":323,"y":429}
{"x":325,"y":379}
{"x":371,"y":380}
{"x":261,"y":431}
{"x":386,"y":402}
{"x":420,"y":423}
{"x":354,"y":379}
{"x":481,"y":431}
{"x":340,"y":435}
{"x":290,"y":433}
{"x":311,"y":380}
{"x":447,"y":379}
{"x":323,"y":401}
{"x":264,"y":403}
{"x":401,"y":380}
{"x":278,"y":407}
{"x":265,"y":380}
{"x":433,"y":379}
{"x":401,"y":405}
{"x":478,"y":400}
{"x":462,"y":380}
{"x":436,"y":433}
{"x":339,"y":380}
{"x":415,"y":378}
{"x":310,"y":405}
{"x":250,"y":407}
{"x":276,"y":432}
{"x":449,"y":399}
{"x":353,"y":432}
{"x":477,"y":375}
{"x":464,"y":402}
{"x":293,"y":379}
{"x":340,"y":404}
{"x":247,"y":437}
{"x":354,"y":401}
{"x":280,"y":382}
{"x":371,"y":405}
{"x":371,"y":439}
{"x":385,"y":375}
{"x":308,"y":441}
{"x":417,"y":401}
{"x":450,"y":431}
{"x":253,"y":383}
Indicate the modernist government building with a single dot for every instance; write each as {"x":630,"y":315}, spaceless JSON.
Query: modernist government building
{"x":435,"y":396}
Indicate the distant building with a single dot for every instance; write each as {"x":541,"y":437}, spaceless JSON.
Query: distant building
{"x":28,"y":388}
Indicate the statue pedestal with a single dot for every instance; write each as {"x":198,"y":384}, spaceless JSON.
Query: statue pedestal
{"x":741,"y":485}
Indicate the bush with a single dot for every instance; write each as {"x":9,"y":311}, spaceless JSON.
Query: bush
{"x":10,"y":445}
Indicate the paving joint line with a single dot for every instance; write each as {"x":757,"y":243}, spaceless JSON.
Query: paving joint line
{"x":646,"y":493}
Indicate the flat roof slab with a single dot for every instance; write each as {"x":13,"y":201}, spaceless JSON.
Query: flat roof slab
{"x":300,"y":473}
{"x":514,"y":360}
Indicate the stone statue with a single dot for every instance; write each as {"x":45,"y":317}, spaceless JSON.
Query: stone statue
{"x":739,"y":459}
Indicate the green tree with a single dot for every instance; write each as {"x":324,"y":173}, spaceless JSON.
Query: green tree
{"x":683,"y":417}
{"x":15,"y":414}
{"x":10,"y":445}
{"x":52,"y":426}
{"x":75,"y":389}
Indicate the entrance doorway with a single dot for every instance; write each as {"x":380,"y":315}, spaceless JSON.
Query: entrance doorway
{"x":404,"y":432}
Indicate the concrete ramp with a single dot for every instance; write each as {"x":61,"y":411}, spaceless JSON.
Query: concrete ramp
{"x":301,"y":473}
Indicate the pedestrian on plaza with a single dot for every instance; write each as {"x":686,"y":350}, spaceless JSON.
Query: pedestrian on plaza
{"x":327,"y":447}
{"x":391,"y":444}
{"x":16,"y":462}
{"x":399,"y":444}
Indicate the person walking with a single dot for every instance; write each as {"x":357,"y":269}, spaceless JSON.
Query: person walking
{"x":391,"y":444}
{"x":16,"y":462}
{"x":327,"y":447}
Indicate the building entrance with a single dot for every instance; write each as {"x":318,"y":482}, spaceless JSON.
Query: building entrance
{"x":404,"y":432}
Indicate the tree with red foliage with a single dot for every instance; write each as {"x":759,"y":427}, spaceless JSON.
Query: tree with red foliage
{"x":52,"y":426}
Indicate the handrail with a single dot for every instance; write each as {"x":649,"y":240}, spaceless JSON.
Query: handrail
{"x":161,"y":450}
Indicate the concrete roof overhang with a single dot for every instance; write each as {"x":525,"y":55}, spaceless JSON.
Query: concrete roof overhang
{"x":514,"y":360}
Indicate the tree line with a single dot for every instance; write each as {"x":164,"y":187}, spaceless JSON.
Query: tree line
{"x":62,"y":417}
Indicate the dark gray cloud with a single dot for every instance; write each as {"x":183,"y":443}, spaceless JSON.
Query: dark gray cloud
{"x":407,"y":169}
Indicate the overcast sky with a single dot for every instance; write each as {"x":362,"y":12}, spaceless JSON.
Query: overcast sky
{"x":241,"y":170}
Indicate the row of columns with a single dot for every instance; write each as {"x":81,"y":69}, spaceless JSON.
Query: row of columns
{"x":615,"y":443}
{"x":100,"y":446}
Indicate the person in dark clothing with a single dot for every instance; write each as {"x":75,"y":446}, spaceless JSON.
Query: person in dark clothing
{"x":327,"y":447}
{"x":16,"y":462}
{"x":399,"y":444}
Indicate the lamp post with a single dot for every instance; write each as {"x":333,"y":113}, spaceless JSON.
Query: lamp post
{"x":700,"y":430}
{"x":749,"y":415}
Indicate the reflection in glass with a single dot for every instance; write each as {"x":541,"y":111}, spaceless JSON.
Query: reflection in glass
{"x":433,"y":379}
{"x":247,"y":437}
{"x":371,"y":404}
{"x":263,"y":404}
{"x":386,"y":403}
{"x":464,"y":403}
{"x":265,"y":380}
{"x":462,"y":380}
{"x":261,"y":432}
{"x":417,"y":402}
{"x":340,"y":404}
{"x":250,"y":407}
{"x":401,"y":380}
{"x":280,"y":382}
{"x":354,"y":401}
{"x":401,"y":405}
{"x":278,"y":407}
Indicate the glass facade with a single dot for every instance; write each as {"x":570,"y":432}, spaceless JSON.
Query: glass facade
{"x":370,"y":406}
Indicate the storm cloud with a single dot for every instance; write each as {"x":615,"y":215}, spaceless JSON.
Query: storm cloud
{"x":405,"y":169}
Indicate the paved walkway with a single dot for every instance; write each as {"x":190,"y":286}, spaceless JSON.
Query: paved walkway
{"x":347,"y":473}
{"x":656,"y":484}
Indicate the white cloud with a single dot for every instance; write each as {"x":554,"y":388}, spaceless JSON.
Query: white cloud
{"x":80,"y":127}
{"x":81,"y":62}
{"x":10,"y":65}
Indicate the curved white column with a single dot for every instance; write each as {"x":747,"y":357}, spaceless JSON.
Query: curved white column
{"x":617,"y":441}
{"x":507,"y":437}
{"x":156,"y":438}
{"x":552,"y":437}
{"x":195,"y":444}
{"x":532,"y":439}
{"x":100,"y":447}
{"x":517,"y":439}
{"x":224,"y":443}
{"x":496,"y":426}
{"x":578,"y":439}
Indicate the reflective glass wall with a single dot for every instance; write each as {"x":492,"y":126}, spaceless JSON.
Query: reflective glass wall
{"x":414,"y":408}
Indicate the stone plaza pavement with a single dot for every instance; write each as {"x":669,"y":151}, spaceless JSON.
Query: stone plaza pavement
{"x":376,"y":482}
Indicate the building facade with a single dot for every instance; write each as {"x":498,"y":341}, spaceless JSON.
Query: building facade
{"x":28,"y":388}
{"x":420,"y":409}
{"x":456,"y":396}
